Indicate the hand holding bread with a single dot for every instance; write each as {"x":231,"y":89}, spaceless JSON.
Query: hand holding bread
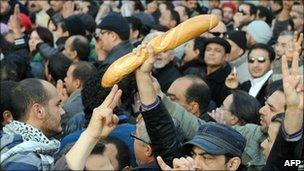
{"x":182,"y":33}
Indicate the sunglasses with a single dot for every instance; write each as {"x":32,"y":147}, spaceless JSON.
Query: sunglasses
{"x":132,"y":135}
{"x":242,"y":12}
{"x":218,"y":34}
{"x":260,"y":59}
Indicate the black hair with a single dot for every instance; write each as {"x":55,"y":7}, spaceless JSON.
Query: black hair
{"x":26,"y":93}
{"x":253,"y":9}
{"x":80,"y":44}
{"x":269,"y":49}
{"x":265,"y":12}
{"x":274,"y":86}
{"x":6,"y":88}
{"x":174,"y":16}
{"x":9,"y":70}
{"x":123,"y":154}
{"x":58,"y":66}
{"x":93,"y":94}
{"x":199,"y":44}
{"x":245,"y":107}
{"x":136,"y":24}
{"x":45,"y":35}
{"x":83,"y":70}
{"x":138,"y":6}
{"x":199,"y":92}
{"x":14,"y":67}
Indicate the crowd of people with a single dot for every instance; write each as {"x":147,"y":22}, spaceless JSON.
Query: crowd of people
{"x":230,"y":99}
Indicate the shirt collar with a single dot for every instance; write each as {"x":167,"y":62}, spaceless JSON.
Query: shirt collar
{"x":262,"y":79}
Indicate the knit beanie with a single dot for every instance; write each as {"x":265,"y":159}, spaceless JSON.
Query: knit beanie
{"x":260,"y":31}
{"x":239,"y":38}
{"x":116,"y":23}
{"x":229,"y":5}
{"x":25,"y":21}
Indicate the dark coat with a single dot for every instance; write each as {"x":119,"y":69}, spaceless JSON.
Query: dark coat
{"x":166,"y":75}
{"x":283,"y":150}
{"x":194,"y":67}
{"x":262,"y":93}
{"x":162,"y":133}
{"x":216,"y":83}
{"x":118,"y":51}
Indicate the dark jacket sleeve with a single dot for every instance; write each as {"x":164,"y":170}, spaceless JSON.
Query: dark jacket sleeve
{"x":162,"y":133}
{"x":46,"y":50}
{"x":283,"y":151}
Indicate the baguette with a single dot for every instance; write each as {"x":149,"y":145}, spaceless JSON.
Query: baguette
{"x":182,"y":33}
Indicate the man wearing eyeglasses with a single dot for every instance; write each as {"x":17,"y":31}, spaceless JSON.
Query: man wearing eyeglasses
{"x":245,"y":14}
{"x":260,"y":64}
{"x":113,"y":33}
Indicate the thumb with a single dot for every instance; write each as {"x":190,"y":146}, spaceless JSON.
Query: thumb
{"x":162,"y":164}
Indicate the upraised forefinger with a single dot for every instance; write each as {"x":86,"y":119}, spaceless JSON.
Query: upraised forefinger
{"x":284,"y":66}
{"x":110,"y":97}
{"x":16,"y":10}
{"x":115,"y":100}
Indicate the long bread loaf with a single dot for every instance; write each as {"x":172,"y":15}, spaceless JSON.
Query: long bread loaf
{"x":180,"y":34}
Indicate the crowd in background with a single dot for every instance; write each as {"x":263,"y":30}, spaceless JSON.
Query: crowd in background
{"x":230,"y":99}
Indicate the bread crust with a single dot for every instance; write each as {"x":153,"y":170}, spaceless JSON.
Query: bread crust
{"x":182,"y":33}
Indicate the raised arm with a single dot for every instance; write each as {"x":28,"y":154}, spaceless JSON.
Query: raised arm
{"x":102,"y":123}
{"x":162,"y":132}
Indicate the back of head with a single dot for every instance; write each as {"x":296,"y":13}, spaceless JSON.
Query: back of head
{"x":123,"y":154}
{"x":58,"y":66}
{"x":245,"y":107}
{"x":265,"y":47}
{"x":74,"y":25}
{"x":6,"y":89}
{"x":264,"y":12}
{"x":80,"y":44}
{"x":199,"y":92}
{"x":25,"y":94}
{"x":93,"y":94}
{"x":83,"y":70}
{"x":116,"y":23}
{"x":199,"y":44}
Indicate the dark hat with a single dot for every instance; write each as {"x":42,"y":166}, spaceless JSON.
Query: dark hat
{"x":220,"y":41}
{"x":116,"y":23}
{"x":74,"y":25}
{"x":239,"y":38}
{"x":146,"y":19}
{"x":217,"y":139}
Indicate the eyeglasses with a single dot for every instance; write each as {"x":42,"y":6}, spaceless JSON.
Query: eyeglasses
{"x":260,"y":59}
{"x":132,"y":135}
{"x":218,"y":34}
{"x":242,"y":12}
{"x":96,"y":35}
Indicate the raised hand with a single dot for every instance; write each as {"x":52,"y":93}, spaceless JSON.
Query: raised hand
{"x":103,"y":121}
{"x":63,"y":94}
{"x":293,"y":90}
{"x":218,"y":115}
{"x":231,"y":80}
{"x":178,"y":164}
{"x":14,"y":22}
{"x":296,"y":46}
{"x":147,"y":66}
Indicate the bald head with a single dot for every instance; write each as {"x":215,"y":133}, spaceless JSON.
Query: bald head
{"x":191,"y":92}
{"x":77,"y":48}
